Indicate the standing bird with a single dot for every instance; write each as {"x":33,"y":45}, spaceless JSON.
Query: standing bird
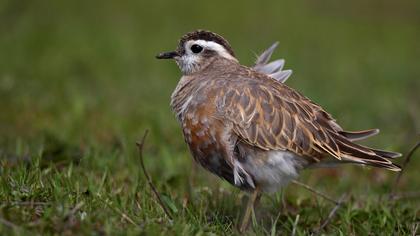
{"x":248,"y":128}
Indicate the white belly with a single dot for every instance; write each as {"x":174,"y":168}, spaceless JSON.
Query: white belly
{"x":274,"y":170}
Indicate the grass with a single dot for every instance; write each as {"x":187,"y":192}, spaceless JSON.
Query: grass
{"x":79,"y":86}
{"x":111,"y":197}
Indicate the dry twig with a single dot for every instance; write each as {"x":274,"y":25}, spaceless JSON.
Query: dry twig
{"x":149,"y":181}
{"x":405,"y":195}
{"x":8,"y":223}
{"x":398,"y":178}
{"x":74,"y":210}
{"x":123,"y":215}
{"x":315,"y":191}
{"x":331,"y":215}
{"x":25,"y":203}
{"x":414,"y":229}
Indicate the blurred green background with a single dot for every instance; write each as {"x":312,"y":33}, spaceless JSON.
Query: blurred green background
{"x":81,"y":75}
{"x":86,"y":69}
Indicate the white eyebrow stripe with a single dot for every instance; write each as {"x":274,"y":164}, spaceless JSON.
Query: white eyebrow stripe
{"x":213,"y":46}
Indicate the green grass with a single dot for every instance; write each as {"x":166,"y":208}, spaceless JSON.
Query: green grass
{"x":108,"y":188}
{"x":79,"y":85}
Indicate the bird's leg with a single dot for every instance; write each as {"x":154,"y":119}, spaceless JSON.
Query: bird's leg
{"x":190,"y":184}
{"x":252,"y":201}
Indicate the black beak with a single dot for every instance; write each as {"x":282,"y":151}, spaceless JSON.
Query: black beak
{"x":167,"y":55}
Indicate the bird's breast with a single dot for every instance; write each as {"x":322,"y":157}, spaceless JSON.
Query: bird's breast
{"x":204,"y":136}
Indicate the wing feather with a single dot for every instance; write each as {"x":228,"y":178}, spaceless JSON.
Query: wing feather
{"x":273,"y":117}
{"x":269,"y":115}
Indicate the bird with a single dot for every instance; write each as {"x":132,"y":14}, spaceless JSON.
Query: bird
{"x":245,"y":125}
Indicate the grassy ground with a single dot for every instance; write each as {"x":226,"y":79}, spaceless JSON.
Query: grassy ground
{"x":79,"y":85}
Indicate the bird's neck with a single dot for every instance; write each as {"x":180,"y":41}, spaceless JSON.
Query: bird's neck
{"x":181,"y":94}
{"x":189,"y":84}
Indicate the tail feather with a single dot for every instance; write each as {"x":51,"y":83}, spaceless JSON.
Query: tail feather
{"x":386,"y":154}
{"x":364,"y":155}
{"x":392,"y":166}
{"x":359,"y":135}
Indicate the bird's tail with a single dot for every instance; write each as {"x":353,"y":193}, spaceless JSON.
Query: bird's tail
{"x":359,"y":135}
{"x":360,"y":154}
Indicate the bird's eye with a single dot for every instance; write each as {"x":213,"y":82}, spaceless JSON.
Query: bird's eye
{"x":195,"y":48}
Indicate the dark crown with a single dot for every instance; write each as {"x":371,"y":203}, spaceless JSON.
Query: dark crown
{"x":207,"y":36}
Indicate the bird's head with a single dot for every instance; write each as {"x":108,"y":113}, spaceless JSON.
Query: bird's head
{"x":197,"y":49}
